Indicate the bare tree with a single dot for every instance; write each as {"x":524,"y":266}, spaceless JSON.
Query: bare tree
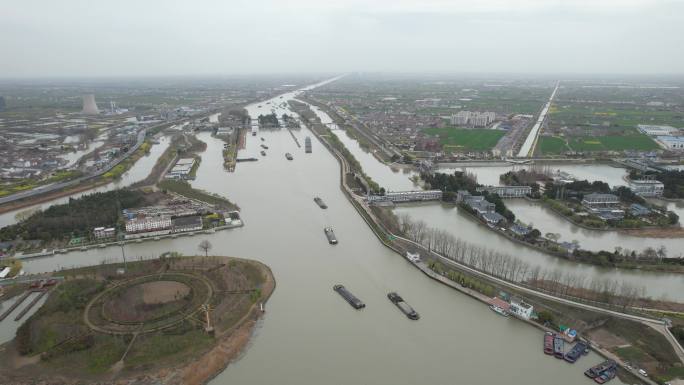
{"x":205,"y":246}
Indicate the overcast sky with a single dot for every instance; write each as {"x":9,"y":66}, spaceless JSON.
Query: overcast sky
{"x":210,"y":37}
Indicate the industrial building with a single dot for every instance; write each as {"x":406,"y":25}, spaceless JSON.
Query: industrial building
{"x":647,"y":188}
{"x":182,"y":169}
{"x":675,"y":143}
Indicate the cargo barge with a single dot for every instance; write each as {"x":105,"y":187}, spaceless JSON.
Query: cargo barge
{"x":598,"y":370}
{"x":330,"y":235}
{"x":288,"y":156}
{"x":576,"y":352}
{"x":349,"y":297}
{"x":548,"y":343}
{"x":307,"y":145}
{"x":246,"y":159}
{"x":320,"y":203}
{"x":403,"y":306}
{"x":558,"y":347}
{"x":263,"y":153}
{"x":265,"y":147}
{"x":606,"y":376}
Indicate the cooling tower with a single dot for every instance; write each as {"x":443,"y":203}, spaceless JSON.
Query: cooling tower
{"x":89,"y":105}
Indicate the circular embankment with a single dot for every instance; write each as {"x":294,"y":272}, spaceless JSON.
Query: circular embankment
{"x":149,"y":303}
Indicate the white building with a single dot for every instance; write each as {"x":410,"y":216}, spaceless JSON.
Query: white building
{"x":473,"y":119}
{"x":461,"y":118}
{"x":138,"y":225}
{"x":507,"y":191}
{"x":520,"y":308}
{"x":407,"y":196}
{"x":101,"y":232}
{"x":182,"y":168}
{"x":647,"y":188}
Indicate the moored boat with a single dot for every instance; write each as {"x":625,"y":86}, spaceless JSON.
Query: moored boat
{"x":498,"y":310}
{"x":576,"y":352}
{"x":597,"y":370}
{"x":288,"y":156}
{"x":548,"y":343}
{"x":263,"y":153}
{"x":558,"y":347}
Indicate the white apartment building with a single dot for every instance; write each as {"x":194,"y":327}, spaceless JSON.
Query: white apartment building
{"x":145,"y":224}
{"x":473,"y":119}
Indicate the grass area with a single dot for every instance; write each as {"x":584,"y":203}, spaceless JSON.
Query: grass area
{"x":126,"y":164}
{"x":613,"y":143}
{"x":550,"y":145}
{"x":462,"y":139}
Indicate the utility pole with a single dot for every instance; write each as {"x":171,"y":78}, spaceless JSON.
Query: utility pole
{"x":123,"y":254}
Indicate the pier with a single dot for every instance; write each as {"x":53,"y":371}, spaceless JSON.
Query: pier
{"x":15,"y":305}
{"x":31,"y":304}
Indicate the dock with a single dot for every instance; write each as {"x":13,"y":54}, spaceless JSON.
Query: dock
{"x":30,"y":305}
{"x":15,"y":305}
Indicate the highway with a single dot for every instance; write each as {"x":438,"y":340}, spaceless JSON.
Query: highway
{"x":530,"y":142}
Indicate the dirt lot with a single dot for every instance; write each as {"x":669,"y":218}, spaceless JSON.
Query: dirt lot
{"x":163,"y":291}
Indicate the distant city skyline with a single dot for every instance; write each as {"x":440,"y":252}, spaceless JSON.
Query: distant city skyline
{"x":73,"y":38}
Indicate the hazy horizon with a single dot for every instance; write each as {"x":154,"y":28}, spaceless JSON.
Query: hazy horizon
{"x":79,"y":39}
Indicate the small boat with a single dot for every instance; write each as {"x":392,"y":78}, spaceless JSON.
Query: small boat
{"x":548,"y":343}
{"x":498,"y":310}
{"x":288,"y":156}
{"x":320,"y":203}
{"x":403,"y":306}
{"x":263,"y":153}
{"x":349,"y":297}
{"x":262,"y":139}
{"x":265,"y":147}
{"x":330,"y":235}
{"x":606,"y":376}
{"x":558,"y":347}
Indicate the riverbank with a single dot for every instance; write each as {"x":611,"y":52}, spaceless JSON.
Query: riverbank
{"x":76,"y":345}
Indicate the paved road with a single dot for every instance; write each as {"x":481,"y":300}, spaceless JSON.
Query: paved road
{"x":528,"y":146}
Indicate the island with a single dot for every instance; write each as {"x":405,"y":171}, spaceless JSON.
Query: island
{"x":171,"y":320}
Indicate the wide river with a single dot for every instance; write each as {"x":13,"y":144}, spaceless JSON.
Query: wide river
{"x":309,"y":335}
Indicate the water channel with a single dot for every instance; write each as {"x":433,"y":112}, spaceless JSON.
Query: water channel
{"x":309,"y":335}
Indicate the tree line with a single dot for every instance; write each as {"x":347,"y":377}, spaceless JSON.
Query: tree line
{"x":513,"y":269}
{"x":78,"y":217}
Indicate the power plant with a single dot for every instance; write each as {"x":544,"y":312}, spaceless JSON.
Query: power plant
{"x":89,"y":105}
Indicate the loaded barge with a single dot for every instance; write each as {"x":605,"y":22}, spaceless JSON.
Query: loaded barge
{"x":403,"y":306}
{"x":288,"y":156}
{"x":349,"y":297}
{"x":330,"y":235}
{"x":320,"y":203}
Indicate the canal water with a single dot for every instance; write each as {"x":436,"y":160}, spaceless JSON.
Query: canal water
{"x":309,"y":335}
{"x":140,"y":170}
{"x":447,"y":217}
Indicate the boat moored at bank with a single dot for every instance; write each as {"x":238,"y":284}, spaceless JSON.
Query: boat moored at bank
{"x":548,"y":343}
{"x":576,"y":352}
{"x":558,"y":347}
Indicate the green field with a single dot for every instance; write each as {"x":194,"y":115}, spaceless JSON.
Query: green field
{"x":462,"y":139}
{"x":638,"y":142}
{"x":549,"y":145}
